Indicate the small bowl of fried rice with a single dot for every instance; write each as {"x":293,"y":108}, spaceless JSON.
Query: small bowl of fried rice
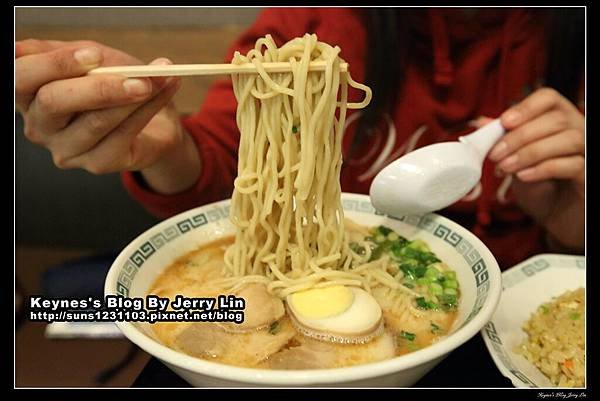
{"x":537,"y":334}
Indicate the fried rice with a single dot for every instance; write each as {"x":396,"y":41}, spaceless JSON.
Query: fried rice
{"x":556,"y":339}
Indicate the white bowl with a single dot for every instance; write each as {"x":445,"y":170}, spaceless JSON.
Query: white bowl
{"x":148,"y":255}
{"x":526,"y":286}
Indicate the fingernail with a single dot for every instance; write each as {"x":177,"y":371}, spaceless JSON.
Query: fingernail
{"x":88,"y":57}
{"x":136,"y":87}
{"x":498,"y":151}
{"x":161,"y":61}
{"x":527,"y":173}
{"x":511,"y":117}
{"x":508,"y":162}
{"x":483,"y":120}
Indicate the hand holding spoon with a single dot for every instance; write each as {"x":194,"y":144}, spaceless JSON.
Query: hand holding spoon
{"x":435,"y":176}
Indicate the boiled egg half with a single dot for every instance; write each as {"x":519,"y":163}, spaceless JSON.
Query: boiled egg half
{"x":340,"y":314}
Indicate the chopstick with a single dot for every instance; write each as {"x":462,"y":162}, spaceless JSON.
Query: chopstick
{"x":132,"y":71}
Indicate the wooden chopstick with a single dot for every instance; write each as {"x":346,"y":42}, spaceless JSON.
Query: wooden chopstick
{"x":202,"y":69}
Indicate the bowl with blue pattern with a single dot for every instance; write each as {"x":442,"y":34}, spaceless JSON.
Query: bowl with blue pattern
{"x":140,"y":263}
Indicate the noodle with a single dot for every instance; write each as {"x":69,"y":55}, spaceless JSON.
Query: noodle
{"x":286,"y":203}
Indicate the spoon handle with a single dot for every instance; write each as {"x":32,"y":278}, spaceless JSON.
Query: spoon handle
{"x":483,"y":139}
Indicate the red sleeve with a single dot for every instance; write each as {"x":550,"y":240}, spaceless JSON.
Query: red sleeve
{"x":214,"y":128}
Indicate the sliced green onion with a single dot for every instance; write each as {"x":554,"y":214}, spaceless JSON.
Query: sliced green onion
{"x":435,"y":289}
{"x":383,"y":230}
{"x":408,"y":270}
{"x":392,"y":236}
{"x":408,"y":336}
{"x":432,"y":273}
{"x":422,"y":303}
{"x":379,"y":238}
{"x":418,"y":245}
{"x":451,"y":284}
{"x":423,"y":281}
{"x":294,"y":129}
{"x":450,"y":291}
{"x":274,"y":328}
{"x":420,"y":271}
{"x":435,"y":329}
{"x":357,"y":248}
{"x":450,"y":274}
{"x":448,"y":300}
{"x":574,"y":316}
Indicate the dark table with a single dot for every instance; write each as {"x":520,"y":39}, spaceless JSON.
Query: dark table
{"x":468,"y":366}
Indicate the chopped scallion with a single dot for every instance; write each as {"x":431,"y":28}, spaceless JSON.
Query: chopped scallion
{"x":435,"y":329}
{"x":407,"y":335}
{"x":435,"y":289}
{"x":274,"y":328}
{"x":450,"y":291}
{"x":423,"y":281}
{"x":450,"y":284}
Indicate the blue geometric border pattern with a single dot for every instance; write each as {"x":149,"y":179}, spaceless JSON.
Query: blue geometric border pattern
{"x":194,"y":222}
{"x":532,"y":268}
{"x":538,"y":265}
{"x":164,"y":236}
{"x":148,"y":248}
{"x":527,"y":270}
{"x":492,"y":334}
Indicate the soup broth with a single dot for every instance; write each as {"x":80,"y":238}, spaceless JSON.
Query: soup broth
{"x":270,"y":339}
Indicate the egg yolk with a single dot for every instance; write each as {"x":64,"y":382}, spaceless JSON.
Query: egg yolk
{"x":319,"y":303}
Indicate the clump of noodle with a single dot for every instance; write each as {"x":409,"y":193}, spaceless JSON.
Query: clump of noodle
{"x":286,"y":203}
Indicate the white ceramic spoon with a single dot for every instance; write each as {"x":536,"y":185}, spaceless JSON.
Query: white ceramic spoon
{"x":435,"y":176}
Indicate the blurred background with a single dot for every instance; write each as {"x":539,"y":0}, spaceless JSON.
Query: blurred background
{"x":70,"y":224}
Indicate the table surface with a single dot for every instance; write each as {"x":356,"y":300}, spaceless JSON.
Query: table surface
{"x":468,"y":366}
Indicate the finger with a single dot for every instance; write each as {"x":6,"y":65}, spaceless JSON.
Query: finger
{"x":56,"y":101}
{"x":33,"y":46}
{"x":566,"y":143}
{"x":160,"y":81}
{"x":547,"y":124}
{"x":86,"y":131}
{"x":115,"y":152}
{"x":67,"y":96}
{"x":480,"y":121}
{"x":532,"y":106}
{"x":89,"y":128}
{"x":568,"y":167}
{"x":34,"y":71}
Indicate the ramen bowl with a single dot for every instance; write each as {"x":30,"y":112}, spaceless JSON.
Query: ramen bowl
{"x":139,"y":264}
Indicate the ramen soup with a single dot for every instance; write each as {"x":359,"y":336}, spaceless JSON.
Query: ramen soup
{"x":321,"y":327}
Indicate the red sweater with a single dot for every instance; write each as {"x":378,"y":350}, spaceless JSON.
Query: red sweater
{"x":465,"y":68}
